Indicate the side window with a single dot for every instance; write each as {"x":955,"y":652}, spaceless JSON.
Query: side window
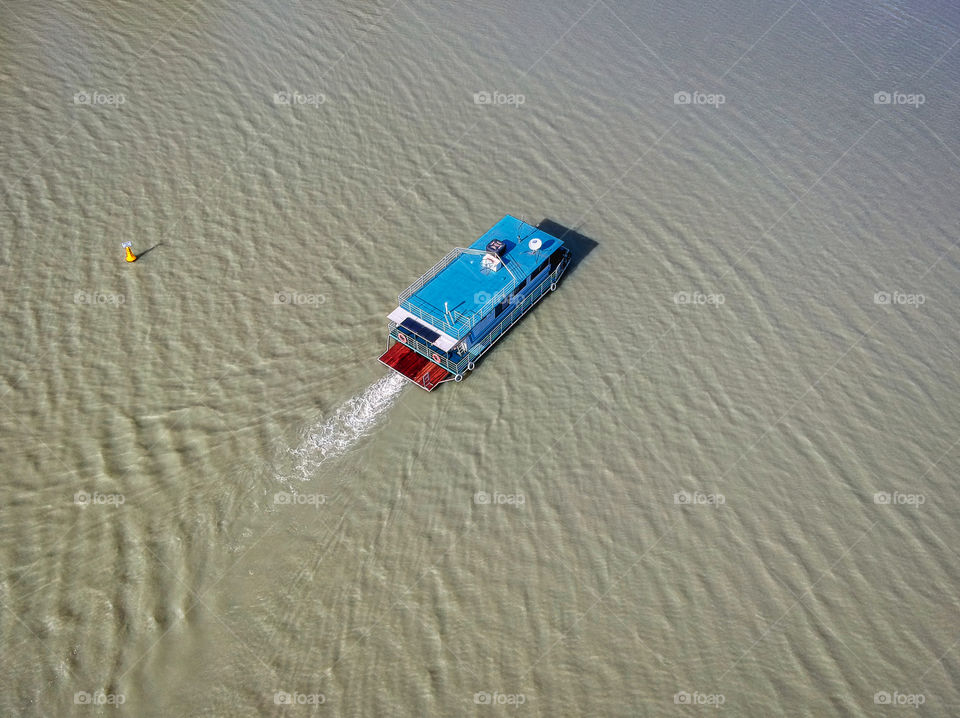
{"x":542,"y":266}
{"x":500,"y":307}
{"x":555,"y":259}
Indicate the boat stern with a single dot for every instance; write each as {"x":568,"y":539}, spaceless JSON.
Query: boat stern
{"x":414,"y":366}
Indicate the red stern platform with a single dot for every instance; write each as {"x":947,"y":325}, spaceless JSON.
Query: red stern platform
{"x":417,"y":368}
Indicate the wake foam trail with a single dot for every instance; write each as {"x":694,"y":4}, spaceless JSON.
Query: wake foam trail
{"x":352,"y":420}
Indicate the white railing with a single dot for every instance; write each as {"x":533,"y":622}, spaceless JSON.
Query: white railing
{"x":432,"y":320}
{"x":518,"y":311}
{"x":464,"y":321}
{"x":430,"y":274}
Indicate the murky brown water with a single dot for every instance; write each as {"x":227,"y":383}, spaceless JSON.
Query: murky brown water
{"x":717,"y":466}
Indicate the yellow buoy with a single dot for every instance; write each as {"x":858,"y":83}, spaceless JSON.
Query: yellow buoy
{"x":130,"y":257}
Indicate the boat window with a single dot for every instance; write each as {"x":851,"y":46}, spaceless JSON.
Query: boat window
{"x":555,"y":260}
{"x":500,"y":307}
{"x":542,"y":266}
{"x":520,"y":286}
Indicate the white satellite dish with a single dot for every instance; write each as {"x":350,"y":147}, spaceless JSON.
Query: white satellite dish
{"x":535,"y":244}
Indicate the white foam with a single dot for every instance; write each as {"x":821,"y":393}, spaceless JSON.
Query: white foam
{"x":352,"y":420}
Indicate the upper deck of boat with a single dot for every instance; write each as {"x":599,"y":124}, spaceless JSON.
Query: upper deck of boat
{"x":462,"y":292}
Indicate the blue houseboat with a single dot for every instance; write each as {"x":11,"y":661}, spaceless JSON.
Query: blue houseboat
{"x":450,"y":317}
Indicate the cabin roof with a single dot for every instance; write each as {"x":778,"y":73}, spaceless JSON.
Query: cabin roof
{"x":467,"y":290}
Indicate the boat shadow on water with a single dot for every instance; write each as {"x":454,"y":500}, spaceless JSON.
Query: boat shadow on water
{"x":578,"y":244}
